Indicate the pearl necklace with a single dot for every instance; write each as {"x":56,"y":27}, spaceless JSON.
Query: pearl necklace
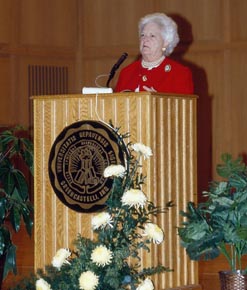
{"x":152,"y":64}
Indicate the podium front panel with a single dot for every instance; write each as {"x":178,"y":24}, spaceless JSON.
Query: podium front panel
{"x":167,"y":124}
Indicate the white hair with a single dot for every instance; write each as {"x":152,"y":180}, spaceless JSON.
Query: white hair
{"x":168,"y":29}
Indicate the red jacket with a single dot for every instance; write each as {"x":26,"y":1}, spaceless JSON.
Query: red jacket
{"x":169,"y":77}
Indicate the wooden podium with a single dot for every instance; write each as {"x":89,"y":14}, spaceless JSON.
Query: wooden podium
{"x":166,"y":123}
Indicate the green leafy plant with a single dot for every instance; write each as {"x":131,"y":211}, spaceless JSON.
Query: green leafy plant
{"x":16,"y":152}
{"x":121,"y":231}
{"x":219,"y":225}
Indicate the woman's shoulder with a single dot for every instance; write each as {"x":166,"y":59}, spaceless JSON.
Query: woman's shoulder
{"x":132,"y":66}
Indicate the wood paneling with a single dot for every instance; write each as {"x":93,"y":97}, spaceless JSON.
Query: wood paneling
{"x":111,"y":23}
{"x":25,"y":257}
{"x":48,"y":23}
{"x":165,"y":123}
{"x":6,"y":23}
{"x":89,"y":36}
{"x":5,"y":85}
{"x":237,"y":16}
{"x":238,"y":60}
{"x":204,"y":16}
{"x":33,"y":33}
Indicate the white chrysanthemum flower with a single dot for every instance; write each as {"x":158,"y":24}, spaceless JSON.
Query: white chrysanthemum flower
{"x":41,"y":284}
{"x":147,"y":284}
{"x":154,"y":233}
{"x":101,"y":220}
{"x":101,"y":256}
{"x":61,"y":258}
{"x":134,"y":198}
{"x":144,"y":150}
{"x":114,"y":170}
{"x":88,"y":280}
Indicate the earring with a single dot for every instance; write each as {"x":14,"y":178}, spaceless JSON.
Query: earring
{"x":163,"y":49}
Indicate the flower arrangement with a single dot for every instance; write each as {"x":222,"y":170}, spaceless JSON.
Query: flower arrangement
{"x":124,"y":228}
{"x":219,"y":225}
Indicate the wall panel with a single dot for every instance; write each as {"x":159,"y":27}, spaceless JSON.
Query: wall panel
{"x":204,"y":16}
{"x":237,"y":16}
{"x":48,"y":23}
{"x":97,"y":71}
{"x":208,"y":72}
{"x":238,"y":102}
{"x":112,"y":23}
{"x":5,"y":21}
{"x":89,"y":36}
{"x":21,"y":85}
{"x":6,"y":112}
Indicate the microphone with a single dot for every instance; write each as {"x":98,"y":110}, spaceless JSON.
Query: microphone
{"x":115,"y":67}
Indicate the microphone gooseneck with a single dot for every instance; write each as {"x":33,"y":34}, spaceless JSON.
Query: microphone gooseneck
{"x":115,"y":67}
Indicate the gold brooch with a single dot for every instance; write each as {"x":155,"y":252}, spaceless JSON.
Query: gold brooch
{"x":144,"y":78}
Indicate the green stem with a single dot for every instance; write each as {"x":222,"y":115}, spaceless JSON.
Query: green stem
{"x":229,"y":257}
{"x":4,"y":155}
{"x":133,"y":172}
{"x":234,"y":257}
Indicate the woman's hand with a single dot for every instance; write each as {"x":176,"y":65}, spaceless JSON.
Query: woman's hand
{"x":152,"y":89}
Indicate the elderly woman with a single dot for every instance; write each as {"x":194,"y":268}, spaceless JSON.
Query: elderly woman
{"x":155,"y":72}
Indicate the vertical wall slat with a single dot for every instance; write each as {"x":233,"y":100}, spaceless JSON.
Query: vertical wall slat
{"x":44,"y":80}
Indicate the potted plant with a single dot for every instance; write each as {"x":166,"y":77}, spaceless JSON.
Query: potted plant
{"x":16,"y":159}
{"x":218,"y":225}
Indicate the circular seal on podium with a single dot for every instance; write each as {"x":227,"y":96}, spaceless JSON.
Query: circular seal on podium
{"x":77,"y":161}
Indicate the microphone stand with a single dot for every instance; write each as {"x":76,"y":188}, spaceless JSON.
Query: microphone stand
{"x":115,"y":67}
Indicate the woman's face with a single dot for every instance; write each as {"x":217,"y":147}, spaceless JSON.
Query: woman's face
{"x":151,"y":42}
